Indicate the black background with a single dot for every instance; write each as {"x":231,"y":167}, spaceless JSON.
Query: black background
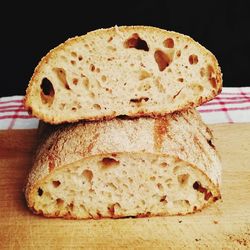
{"x":29,"y":32}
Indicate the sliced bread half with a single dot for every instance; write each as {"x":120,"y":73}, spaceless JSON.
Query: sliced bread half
{"x":128,"y":70}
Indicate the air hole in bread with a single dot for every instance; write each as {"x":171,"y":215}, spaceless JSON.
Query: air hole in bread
{"x":88,"y":174}
{"x":139,"y":100}
{"x":104,"y":78}
{"x":183,"y":179}
{"x":202,"y":72}
{"x":193,"y":59}
{"x":178,"y":53}
{"x":59,"y":202}
{"x":73,"y":62}
{"x":176,"y":169}
{"x":163,"y":198}
{"x":169,"y":43}
{"x":197,"y":88}
{"x":160,"y":187}
{"x":74,"y":109}
{"x":85,"y":82}
{"x":210,"y":71}
{"x":169,"y":180}
{"x":110,"y":58}
{"x":163,"y":164}
{"x":75,"y":81}
{"x":112,"y":186}
{"x":152,"y":178}
{"x":97,"y":107}
{"x":197,"y":186}
{"x":162,"y":59}
{"x":211,"y":76}
{"x":40,"y":191}
{"x":61,"y":74}
{"x":48,"y":92}
{"x":73,"y":54}
{"x":213,"y":82}
{"x":130,"y":180}
{"x":110,"y":39}
{"x":186,"y":46}
{"x":56,"y":184}
{"x":47,"y":87}
{"x":80,"y":58}
{"x":108,"y":162}
{"x":108,"y":90}
{"x":124,"y":172}
{"x":177,"y":94}
{"x":136,"y":42}
{"x":170,"y":185}
{"x":208,"y":195}
{"x":180,"y":80}
{"x":92,"y":67}
{"x":211,"y":143}
{"x":144,"y":74}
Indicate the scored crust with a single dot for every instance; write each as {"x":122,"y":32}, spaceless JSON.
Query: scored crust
{"x":96,"y":169}
{"x":129,"y":70}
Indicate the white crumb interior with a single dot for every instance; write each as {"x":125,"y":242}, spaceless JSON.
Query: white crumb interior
{"x":118,"y":186}
{"x":103,"y":77}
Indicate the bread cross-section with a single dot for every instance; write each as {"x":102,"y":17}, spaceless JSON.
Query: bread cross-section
{"x":125,"y":167}
{"x":128,"y":70}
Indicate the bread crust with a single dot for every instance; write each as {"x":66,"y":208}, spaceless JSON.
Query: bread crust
{"x":32,"y":91}
{"x":180,"y":134}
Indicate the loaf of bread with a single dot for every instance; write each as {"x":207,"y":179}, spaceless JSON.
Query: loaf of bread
{"x":125,"y":167}
{"x":128,"y":70}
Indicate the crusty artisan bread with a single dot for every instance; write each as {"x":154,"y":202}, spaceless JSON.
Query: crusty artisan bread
{"x":128,"y":70}
{"x":125,"y":167}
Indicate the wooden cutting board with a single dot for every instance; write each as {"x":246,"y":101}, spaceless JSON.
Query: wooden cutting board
{"x":224,"y":225}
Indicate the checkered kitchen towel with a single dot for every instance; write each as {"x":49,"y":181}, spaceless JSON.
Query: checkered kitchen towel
{"x":231,"y":106}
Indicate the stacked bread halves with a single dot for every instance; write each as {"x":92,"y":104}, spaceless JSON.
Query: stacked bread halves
{"x":128,"y":140}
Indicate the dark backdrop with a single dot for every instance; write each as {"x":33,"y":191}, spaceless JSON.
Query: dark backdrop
{"x":29,"y":32}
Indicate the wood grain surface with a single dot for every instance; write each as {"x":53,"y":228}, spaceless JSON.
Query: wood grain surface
{"x":224,"y":225}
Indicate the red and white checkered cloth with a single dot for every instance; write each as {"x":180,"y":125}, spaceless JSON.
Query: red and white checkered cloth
{"x":231,"y":106}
